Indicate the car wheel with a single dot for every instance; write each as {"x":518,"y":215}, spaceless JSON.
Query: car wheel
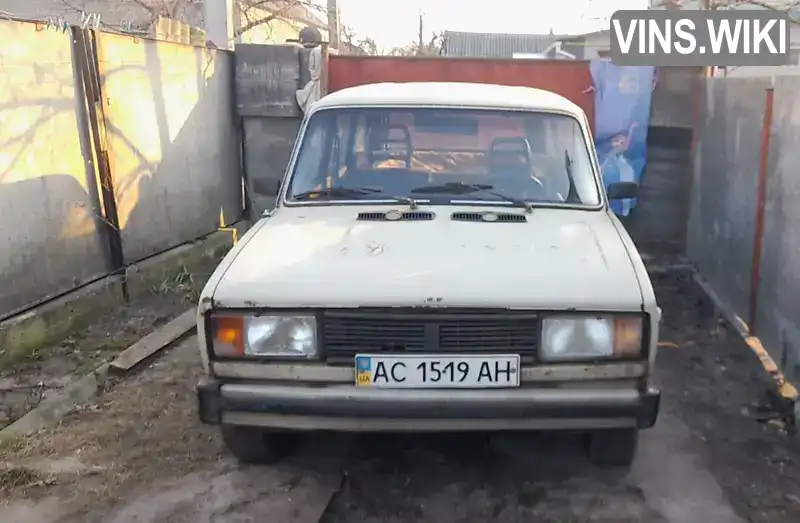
{"x":613,"y":447}
{"x":255,"y":445}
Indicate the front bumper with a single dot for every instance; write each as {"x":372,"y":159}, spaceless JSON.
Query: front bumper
{"x":348,"y":408}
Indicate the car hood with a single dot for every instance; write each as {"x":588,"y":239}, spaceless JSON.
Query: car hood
{"x":323,"y":257}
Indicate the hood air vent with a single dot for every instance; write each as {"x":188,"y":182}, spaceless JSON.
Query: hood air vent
{"x":395,"y":216}
{"x":488,"y":217}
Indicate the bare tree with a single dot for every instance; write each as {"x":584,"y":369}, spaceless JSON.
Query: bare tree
{"x":775,"y":5}
{"x":262,"y":12}
{"x":156,"y":8}
{"x":714,"y":5}
{"x":422,"y":47}
{"x":778,"y":5}
{"x":368,"y":46}
{"x":254,"y":12}
{"x":150,"y":10}
{"x":352,"y":42}
{"x":430,"y":47}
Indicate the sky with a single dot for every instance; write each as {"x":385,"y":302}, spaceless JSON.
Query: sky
{"x":394,"y":22}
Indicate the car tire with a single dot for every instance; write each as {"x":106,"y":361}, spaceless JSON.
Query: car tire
{"x":613,"y":447}
{"x":256,"y":446}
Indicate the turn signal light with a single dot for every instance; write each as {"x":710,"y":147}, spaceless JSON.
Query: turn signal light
{"x":627,"y":336}
{"x":228,"y":335}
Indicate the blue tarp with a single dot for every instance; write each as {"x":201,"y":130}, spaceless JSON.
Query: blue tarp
{"x":622,"y":98}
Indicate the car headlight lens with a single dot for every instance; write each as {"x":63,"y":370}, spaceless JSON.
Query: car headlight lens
{"x":590,"y":337}
{"x":265,"y":336}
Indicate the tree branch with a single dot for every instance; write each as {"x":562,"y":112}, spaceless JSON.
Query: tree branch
{"x":715,"y":4}
{"x":266,"y":19}
{"x":173,"y":11}
{"x":757,"y":3}
{"x":278,"y":5}
{"x":255,"y":23}
{"x":282,"y":3}
{"x":277,"y":9}
{"x":82,"y":11}
{"x":147,"y":7}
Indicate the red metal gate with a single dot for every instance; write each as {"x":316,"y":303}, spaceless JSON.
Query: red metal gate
{"x":569,"y":78}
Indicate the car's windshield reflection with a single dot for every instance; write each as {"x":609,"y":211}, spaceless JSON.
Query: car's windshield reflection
{"x":443,"y":155}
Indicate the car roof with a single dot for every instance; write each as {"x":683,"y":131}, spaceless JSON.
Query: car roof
{"x":449,"y":94}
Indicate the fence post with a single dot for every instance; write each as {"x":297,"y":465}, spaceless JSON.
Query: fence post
{"x":761,"y":198}
{"x":699,"y":85}
{"x":85,"y":53}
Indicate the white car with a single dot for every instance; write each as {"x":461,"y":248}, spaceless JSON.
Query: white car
{"x":442,"y":257}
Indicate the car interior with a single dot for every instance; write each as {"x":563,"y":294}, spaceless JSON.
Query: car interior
{"x":466,"y":151}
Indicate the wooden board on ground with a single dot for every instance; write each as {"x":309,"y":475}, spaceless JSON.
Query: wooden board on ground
{"x":155,"y":341}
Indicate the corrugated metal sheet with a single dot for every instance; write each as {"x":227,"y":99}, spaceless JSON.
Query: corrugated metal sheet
{"x":495,"y":45}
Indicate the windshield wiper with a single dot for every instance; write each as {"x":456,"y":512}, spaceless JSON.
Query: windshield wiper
{"x":452,"y":188}
{"x":337,"y":192}
{"x":468,"y":188}
{"x":353,"y":192}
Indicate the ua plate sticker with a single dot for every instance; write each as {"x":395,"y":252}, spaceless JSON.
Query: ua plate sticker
{"x":363,"y":371}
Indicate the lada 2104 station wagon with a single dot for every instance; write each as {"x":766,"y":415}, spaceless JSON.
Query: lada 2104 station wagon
{"x":442,"y":257}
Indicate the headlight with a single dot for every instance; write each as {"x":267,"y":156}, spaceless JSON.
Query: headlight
{"x":267,"y":336}
{"x":590,"y":337}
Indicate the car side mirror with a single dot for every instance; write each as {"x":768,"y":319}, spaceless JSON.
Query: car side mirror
{"x":622,"y":190}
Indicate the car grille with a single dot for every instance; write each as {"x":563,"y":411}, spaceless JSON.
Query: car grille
{"x":346,"y":333}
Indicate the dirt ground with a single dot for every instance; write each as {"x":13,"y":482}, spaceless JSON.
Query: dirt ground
{"x":141,"y":455}
{"x":712,"y":382}
{"x":24,"y":383}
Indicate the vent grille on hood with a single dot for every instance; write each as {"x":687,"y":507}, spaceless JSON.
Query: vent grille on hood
{"x":489,"y":217}
{"x":396,"y":216}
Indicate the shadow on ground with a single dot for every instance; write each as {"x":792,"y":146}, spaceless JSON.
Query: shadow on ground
{"x":481,"y":477}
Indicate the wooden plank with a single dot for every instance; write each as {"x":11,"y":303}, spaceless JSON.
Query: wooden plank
{"x":155,"y":341}
{"x":301,"y":499}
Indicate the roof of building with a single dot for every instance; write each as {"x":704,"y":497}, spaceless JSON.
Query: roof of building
{"x":580,"y":37}
{"x":495,"y":45}
{"x":455,"y":94}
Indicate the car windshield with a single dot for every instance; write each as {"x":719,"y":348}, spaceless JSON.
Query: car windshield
{"x":431,"y":154}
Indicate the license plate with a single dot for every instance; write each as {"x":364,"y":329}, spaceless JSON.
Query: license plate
{"x":437,"y":372}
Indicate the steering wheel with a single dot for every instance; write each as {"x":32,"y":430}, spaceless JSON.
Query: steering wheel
{"x":538,"y":173}
{"x":540,"y":179}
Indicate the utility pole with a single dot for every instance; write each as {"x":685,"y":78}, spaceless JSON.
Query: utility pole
{"x":334,"y":31}
{"x":420,"y":36}
{"x":219,"y":22}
